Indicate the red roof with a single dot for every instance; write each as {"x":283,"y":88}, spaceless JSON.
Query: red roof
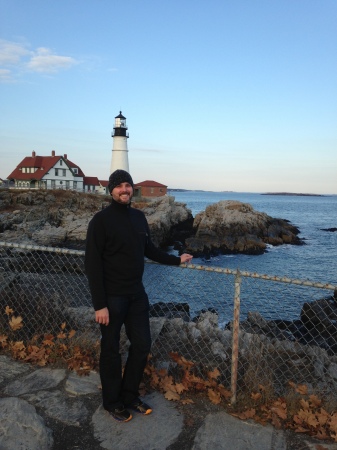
{"x":150,"y":183}
{"x":74,"y":166}
{"x":43,"y":164}
{"x":92,"y":181}
{"x":104,"y":183}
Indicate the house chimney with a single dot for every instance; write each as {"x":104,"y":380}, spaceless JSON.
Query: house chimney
{"x":65,"y":156}
{"x":53,"y":153}
{"x":33,"y":154}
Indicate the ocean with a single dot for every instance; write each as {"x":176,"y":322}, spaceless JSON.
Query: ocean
{"x":315,"y":261}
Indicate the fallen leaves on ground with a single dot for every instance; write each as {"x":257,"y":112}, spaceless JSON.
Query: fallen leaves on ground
{"x":307,"y":416}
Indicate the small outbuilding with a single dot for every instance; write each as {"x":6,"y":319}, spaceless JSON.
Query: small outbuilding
{"x":149,"y":188}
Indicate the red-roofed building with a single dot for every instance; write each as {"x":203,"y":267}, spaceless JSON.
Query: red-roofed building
{"x":104,"y":186}
{"x":47,"y":172}
{"x":53,"y":172}
{"x":149,"y":188}
{"x":91,"y":184}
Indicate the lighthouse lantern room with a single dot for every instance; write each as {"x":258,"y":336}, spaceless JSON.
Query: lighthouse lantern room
{"x":119,"y":158}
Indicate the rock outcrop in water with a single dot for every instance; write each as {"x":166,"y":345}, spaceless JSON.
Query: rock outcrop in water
{"x":230,"y":226}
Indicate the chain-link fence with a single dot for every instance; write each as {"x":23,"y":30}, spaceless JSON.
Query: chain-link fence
{"x":257,"y":330}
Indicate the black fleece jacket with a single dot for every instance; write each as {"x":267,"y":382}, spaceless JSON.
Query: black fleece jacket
{"x":118,"y":238}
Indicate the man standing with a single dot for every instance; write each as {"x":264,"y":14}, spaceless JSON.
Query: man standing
{"x":118,"y":238}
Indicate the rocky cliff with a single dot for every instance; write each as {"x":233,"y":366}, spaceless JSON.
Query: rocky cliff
{"x":60,"y":218}
{"x":230,"y":226}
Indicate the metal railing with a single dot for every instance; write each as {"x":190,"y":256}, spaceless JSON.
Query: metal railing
{"x":255,"y":329}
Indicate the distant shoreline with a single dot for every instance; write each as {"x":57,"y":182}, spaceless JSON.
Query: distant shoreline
{"x":265,"y":193}
{"x":293,"y":194}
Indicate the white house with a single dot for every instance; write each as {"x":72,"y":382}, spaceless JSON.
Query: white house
{"x":53,"y":172}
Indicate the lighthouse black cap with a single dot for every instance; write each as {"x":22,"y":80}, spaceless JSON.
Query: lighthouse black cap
{"x":117,"y":177}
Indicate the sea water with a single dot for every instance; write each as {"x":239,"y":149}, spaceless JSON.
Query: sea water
{"x":316,"y":260}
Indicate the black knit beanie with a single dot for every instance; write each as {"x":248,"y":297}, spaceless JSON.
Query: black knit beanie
{"x":117,"y":177}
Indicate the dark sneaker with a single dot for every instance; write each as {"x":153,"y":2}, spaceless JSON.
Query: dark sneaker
{"x":120,"y":414}
{"x":141,"y":407}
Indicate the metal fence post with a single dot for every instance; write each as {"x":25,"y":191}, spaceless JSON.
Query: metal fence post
{"x":235,"y":337}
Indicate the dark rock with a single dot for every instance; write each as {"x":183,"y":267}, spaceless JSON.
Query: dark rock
{"x":171,"y":310}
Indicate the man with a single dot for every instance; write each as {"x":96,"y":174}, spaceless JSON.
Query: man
{"x":118,"y":238}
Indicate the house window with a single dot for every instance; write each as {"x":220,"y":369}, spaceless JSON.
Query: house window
{"x":75,"y":184}
{"x":61,"y":162}
{"x":53,"y":184}
{"x":56,"y":172}
{"x":67,"y":184}
{"x":75,"y":170}
{"x":64,"y":172}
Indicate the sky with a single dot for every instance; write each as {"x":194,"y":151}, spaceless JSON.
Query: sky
{"x":220,"y":95}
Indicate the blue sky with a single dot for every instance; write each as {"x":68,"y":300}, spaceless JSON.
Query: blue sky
{"x":219,"y":95}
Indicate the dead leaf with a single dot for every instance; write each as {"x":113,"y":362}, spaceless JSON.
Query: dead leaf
{"x":214,"y":396}
{"x":3,"y":341}
{"x":155,"y":380}
{"x":255,"y":396}
{"x":162,"y":372}
{"x":276,"y":422}
{"x":71,"y":334}
{"x":187,"y":401}
{"x":224,"y":392}
{"x":18,"y":346}
{"x":304,"y":404}
{"x":315,"y":401}
{"x":301,"y":430}
{"x":333,"y":423}
{"x":16,"y":323}
{"x":214,"y":374}
{"x":179,"y":387}
{"x":61,"y":336}
{"x":302,"y":389}
{"x":8,"y":311}
{"x":248,"y":414}
{"x":180,"y":360}
{"x":280,"y":409}
{"x":171,"y":395}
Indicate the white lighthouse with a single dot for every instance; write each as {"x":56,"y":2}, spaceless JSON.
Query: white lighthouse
{"x":119,"y":157}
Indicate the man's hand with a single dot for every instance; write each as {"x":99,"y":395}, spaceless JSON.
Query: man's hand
{"x":102,"y":316}
{"x":185,"y":258}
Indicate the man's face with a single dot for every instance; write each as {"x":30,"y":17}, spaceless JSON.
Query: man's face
{"x":122,"y":193}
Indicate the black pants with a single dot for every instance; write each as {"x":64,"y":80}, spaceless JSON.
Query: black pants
{"x":133,"y":311}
